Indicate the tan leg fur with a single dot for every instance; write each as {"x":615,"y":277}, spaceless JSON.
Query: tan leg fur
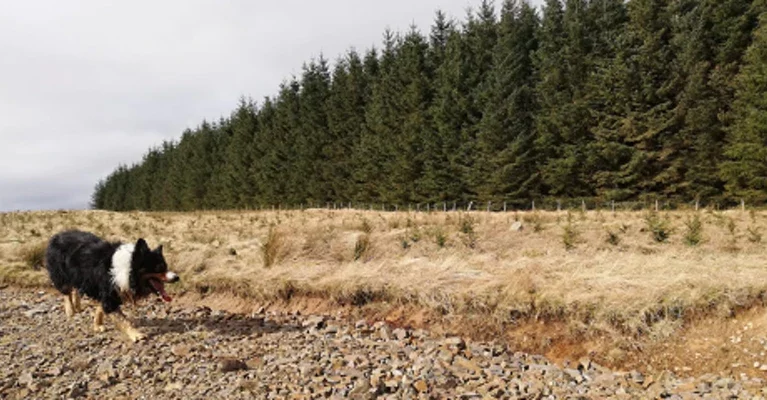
{"x":68,"y":307}
{"x":75,"y":295}
{"x":125,"y":326}
{"x":98,"y":319}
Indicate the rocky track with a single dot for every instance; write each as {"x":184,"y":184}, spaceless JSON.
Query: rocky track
{"x":201,"y":353}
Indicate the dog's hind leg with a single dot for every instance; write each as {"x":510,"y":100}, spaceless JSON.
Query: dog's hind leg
{"x":75,"y":295}
{"x":68,"y":307}
{"x":98,"y":319}
{"x":126,"y":327}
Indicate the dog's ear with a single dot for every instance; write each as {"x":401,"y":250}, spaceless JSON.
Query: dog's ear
{"x":158,"y":250}
{"x":142,"y":247}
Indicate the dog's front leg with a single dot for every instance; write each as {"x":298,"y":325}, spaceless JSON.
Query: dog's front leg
{"x":75,"y":295}
{"x":126,"y":327}
{"x":68,"y":307}
{"x":98,"y":319}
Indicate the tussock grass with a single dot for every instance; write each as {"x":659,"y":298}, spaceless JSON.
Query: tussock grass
{"x":361,"y":246}
{"x":617,"y":278}
{"x":271,"y":247}
{"x":33,"y":255}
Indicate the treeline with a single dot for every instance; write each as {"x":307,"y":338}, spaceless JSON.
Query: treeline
{"x":592,"y":99}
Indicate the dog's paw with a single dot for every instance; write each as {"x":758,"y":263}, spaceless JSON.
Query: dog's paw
{"x":136,"y":336}
{"x":99,"y":328}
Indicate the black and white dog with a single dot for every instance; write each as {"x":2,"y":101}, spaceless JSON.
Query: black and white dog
{"x":112,"y":273}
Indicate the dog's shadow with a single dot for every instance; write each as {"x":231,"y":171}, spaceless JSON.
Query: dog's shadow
{"x":228,"y":324}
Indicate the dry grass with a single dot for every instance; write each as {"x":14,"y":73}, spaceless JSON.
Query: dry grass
{"x":629,"y":272}
{"x":33,"y":255}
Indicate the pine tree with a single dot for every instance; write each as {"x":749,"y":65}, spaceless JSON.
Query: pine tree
{"x":607,"y":152}
{"x":441,"y":180}
{"x":313,"y":169}
{"x":375,"y":152}
{"x":218,"y":194}
{"x":280,"y":175}
{"x":710,"y":38}
{"x":564,"y":119}
{"x":745,"y":170}
{"x":507,"y":130}
{"x":481,"y":36}
{"x":412,"y":102}
{"x":639,"y":113}
{"x":348,"y":98}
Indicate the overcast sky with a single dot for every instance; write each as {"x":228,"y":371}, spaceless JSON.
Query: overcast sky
{"x":87,"y":85}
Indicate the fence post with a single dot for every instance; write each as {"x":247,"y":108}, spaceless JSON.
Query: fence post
{"x":444,"y":206}
{"x":533,"y":205}
{"x":559,"y":205}
{"x":583,"y":205}
{"x":454,"y":205}
{"x":469,"y":207}
{"x":656,"y":205}
{"x":742,"y":205}
{"x":488,"y":205}
{"x":612,"y":205}
{"x":504,"y":206}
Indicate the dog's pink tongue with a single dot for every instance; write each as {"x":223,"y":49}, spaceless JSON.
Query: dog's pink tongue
{"x":165,"y":296}
{"x":161,"y":288}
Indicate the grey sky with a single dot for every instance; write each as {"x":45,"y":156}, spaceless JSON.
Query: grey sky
{"x":86,"y":85}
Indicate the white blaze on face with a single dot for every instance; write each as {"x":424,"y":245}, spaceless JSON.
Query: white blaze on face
{"x":170,"y":276}
{"x":121,"y":266}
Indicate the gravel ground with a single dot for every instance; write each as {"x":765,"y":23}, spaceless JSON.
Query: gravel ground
{"x":201,"y":353}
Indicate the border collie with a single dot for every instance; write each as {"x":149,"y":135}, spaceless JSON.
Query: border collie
{"x":112,"y":273}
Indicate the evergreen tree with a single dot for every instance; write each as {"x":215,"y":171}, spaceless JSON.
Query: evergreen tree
{"x":711,"y":37}
{"x":745,"y":170}
{"x":382,"y":120}
{"x":507,"y":129}
{"x":564,"y":122}
{"x":218,"y":194}
{"x":481,"y":36}
{"x":441,"y":178}
{"x":412,"y":101}
{"x":313,"y":169}
{"x":279,"y":164}
{"x":348,"y":98}
{"x":639,"y":109}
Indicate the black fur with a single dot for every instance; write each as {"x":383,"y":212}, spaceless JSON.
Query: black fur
{"x":82,"y":261}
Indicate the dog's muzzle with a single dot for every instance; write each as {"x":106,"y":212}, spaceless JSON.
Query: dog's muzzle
{"x":171,"y":277}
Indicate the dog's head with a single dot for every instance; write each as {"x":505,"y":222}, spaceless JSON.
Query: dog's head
{"x":149,"y":272}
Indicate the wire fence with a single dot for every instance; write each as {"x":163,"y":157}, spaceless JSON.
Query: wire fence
{"x":510,"y":206}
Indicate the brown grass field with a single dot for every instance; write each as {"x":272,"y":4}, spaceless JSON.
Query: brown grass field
{"x":631,"y":289}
